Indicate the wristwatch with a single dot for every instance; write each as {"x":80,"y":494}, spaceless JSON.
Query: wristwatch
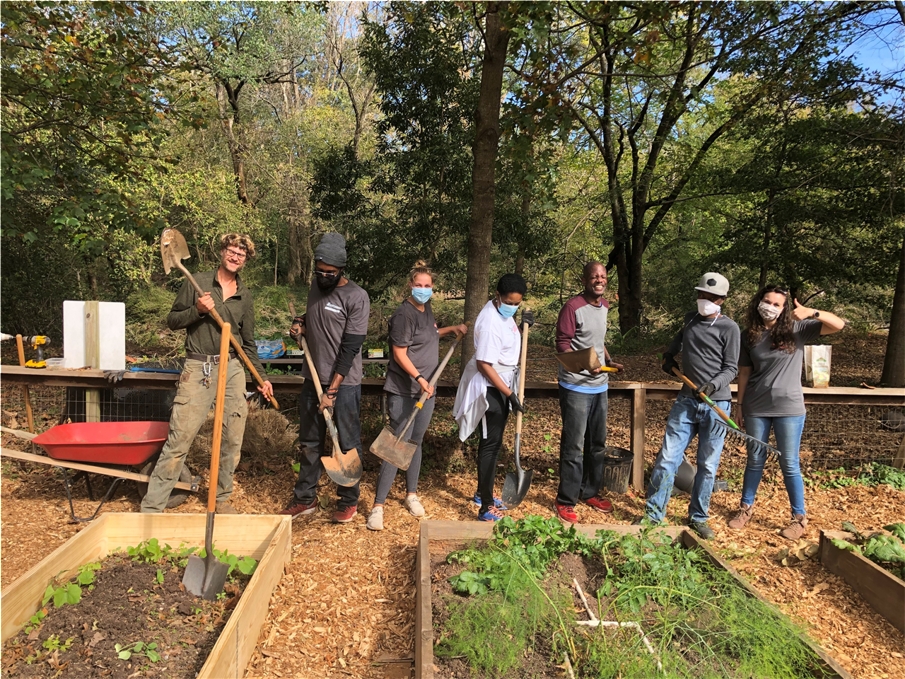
{"x":816,"y":314}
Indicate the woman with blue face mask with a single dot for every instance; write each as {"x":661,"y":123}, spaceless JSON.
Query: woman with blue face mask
{"x":414,"y":356}
{"x":489,"y":384}
{"x":770,"y":395}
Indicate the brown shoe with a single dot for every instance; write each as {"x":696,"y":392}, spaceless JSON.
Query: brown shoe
{"x":225,"y":508}
{"x":796,"y":529}
{"x":741,"y":517}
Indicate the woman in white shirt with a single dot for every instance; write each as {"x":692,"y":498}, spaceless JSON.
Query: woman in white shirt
{"x":489,"y":384}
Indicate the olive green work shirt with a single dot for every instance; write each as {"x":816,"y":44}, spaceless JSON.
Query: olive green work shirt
{"x":202,"y":332}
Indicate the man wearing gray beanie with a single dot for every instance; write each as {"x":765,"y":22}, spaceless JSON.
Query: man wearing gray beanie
{"x":335,"y":324}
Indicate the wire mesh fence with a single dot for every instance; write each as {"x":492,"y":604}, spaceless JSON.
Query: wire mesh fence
{"x":834,"y":436}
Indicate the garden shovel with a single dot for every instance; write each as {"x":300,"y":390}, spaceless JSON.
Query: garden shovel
{"x":343,"y":468}
{"x":206,"y":577}
{"x":518,"y":482}
{"x":394,"y":448}
{"x":173,"y":249}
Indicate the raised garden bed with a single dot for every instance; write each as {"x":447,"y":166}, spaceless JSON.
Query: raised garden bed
{"x":439,"y":539}
{"x":264,"y":538}
{"x":881,"y":589}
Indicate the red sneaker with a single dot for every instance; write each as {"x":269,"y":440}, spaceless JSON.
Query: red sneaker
{"x":297,"y":508}
{"x":566,"y":513}
{"x":345,"y":514}
{"x":600,"y":504}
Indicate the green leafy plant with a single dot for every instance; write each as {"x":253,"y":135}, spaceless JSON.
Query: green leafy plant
{"x":151,"y":551}
{"x":887,"y":551}
{"x":148,"y":650}
{"x":53,"y":643}
{"x":872,"y":474}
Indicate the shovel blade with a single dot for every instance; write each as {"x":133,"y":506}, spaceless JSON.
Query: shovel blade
{"x":173,"y":248}
{"x":344,"y":469}
{"x":516,"y":486}
{"x":398,"y":453}
{"x":205,"y":577}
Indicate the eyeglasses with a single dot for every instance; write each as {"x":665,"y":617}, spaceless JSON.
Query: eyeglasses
{"x":329,"y":275}
{"x":236,"y":254}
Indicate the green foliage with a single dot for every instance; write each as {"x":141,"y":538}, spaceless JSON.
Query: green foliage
{"x":887,"y":551}
{"x":138,"y":648}
{"x":871,"y":474}
{"x":53,"y":643}
{"x":702,"y":624}
{"x":67,"y":593}
{"x":151,"y":551}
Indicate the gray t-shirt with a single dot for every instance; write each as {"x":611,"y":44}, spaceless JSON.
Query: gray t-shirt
{"x":774,"y":388}
{"x":342,"y":311}
{"x":709,"y":348}
{"x":418,"y":332}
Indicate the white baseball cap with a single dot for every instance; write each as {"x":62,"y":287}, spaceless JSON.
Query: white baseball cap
{"x":713,"y":283}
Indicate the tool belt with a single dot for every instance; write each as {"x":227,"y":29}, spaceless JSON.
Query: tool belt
{"x":205,"y":358}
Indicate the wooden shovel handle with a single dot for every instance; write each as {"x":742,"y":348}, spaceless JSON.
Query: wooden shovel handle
{"x":235,"y":343}
{"x":222,"y":373}
{"x":719,"y":411}
{"x":328,"y":416}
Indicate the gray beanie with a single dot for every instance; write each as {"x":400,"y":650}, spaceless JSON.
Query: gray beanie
{"x":331,"y":250}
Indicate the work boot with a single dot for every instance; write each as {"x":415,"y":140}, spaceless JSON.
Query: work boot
{"x":375,"y":518}
{"x":225,"y":508}
{"x":796,"y":529}
{"x":702,"y":529}
{"x":741,"y":517}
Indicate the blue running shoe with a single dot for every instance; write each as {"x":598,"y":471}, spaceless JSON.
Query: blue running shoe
{"x":489,"y":515}
{"x":497,"y":503}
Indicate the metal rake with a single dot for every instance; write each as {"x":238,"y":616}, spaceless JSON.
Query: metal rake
{"x":725,"y":423}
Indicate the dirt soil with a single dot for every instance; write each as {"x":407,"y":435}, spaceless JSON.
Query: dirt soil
{"x":346,"y":605}
{"x":125,"y":605}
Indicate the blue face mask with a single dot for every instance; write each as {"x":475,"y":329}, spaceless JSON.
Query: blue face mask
{"x":421,"y":295}
{"x":507,"y":310}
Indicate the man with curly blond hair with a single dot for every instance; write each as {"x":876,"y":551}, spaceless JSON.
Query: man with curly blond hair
{"x":198,"y":382}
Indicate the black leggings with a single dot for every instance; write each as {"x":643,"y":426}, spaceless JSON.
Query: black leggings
{"x":489,"y":448}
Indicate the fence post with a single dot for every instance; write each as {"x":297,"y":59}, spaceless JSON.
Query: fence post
{"x":638,"y":414}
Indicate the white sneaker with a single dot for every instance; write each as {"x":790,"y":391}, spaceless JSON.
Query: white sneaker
{"x":375,"y":519}
{"x":413,"y":504}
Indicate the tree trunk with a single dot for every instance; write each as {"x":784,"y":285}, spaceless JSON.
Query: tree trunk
{"x":894,"y":363}
{"x":484,"y":149}
{"x":230,"y":120}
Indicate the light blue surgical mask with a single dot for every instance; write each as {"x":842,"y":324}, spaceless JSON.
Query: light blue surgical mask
{"x":421,"y":295}
{"x":507,"y":310}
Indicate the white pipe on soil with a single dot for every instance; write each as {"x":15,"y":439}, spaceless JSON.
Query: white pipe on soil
{"x":594,"y":622}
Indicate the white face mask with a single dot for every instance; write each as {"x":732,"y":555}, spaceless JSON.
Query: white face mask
{"x":768,"y":312}
{"x":707,"y":308}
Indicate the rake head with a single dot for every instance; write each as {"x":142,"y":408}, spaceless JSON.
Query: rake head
{"x":739,"y":436}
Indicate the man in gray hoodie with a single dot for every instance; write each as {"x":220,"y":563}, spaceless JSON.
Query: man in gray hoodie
{"x":709,"y":345}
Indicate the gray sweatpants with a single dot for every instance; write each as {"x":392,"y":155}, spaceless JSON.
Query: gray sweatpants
{"x":400,"y":408}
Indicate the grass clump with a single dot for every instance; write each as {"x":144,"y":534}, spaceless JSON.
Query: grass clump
{"x":699,"y":622}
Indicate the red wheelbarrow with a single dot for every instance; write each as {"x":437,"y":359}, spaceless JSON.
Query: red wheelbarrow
{"x":112,"y":448}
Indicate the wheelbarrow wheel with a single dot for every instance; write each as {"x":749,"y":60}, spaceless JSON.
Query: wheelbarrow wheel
{"x":177,"y":496}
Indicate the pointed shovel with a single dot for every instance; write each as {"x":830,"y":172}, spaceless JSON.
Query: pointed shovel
{"x":517,"y":483}
{"x":343,"y":468}
{"x":173,"y":249}
{"x":206,"y":577}
{"x":396,"y":449}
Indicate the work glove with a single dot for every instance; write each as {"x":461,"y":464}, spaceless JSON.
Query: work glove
{"x":669,"y":362}
{"x":515,"y":403}
{"x":114,"y":376}
{"x":295,"y":331}
{"x":528,"y":317}
{"x":708,"y":389}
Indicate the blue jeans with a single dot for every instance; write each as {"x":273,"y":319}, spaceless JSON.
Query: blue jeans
{"x":313,"y":431}
{"x":582,"y":445}
{"x":788,"y":441}
{"x":687,"y":418}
